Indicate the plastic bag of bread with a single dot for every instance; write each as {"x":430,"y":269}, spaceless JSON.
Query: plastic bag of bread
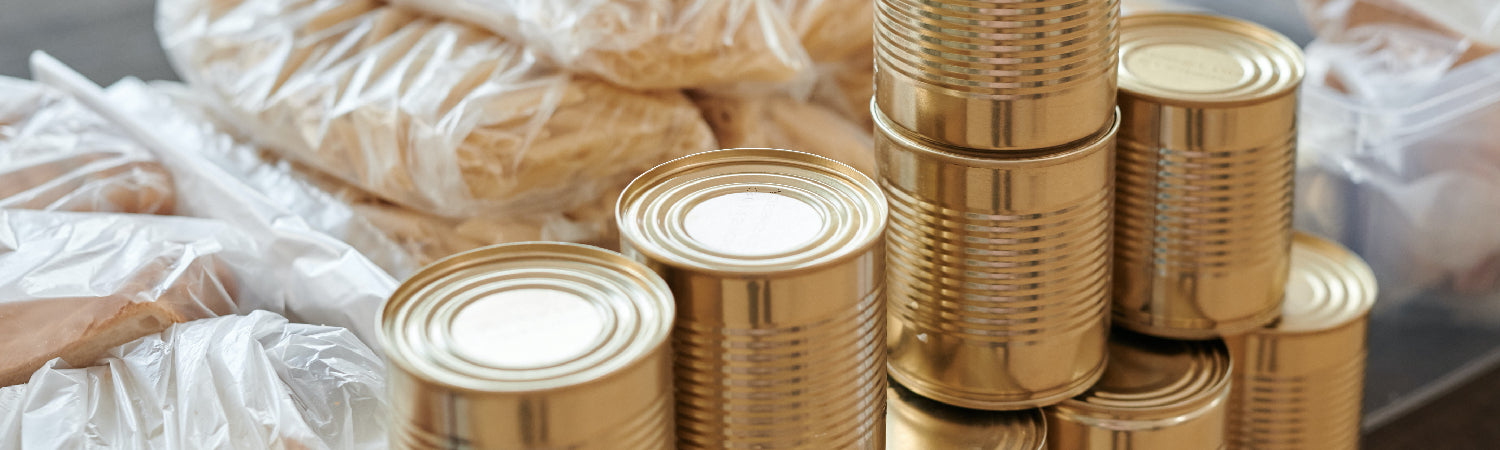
{"x":56,"y":154}
{"x":1437,"y":34}
{"x":298,"y":272}
{"x":832,"y":30}
{"x":646,"y":44}
{"x":435,"y":115}
{"x":77,"y":284}
{"x":782,"y":122}
{"x":847,"y":87}
{"x":399,"y":239}
{"x":233,"y":382}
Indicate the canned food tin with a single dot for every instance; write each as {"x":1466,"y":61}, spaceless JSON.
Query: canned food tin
{"x":1204,"y":174}
{"x":997,"y":75}
{"x":913,"y":422}
{"x":998,"y":271}
{"x":776,"y":260}
{"x":1155,"y":394}
{"x":1298,"y":382}
{"x":517,"y":346}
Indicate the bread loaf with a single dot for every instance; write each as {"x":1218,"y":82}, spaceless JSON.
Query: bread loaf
{"x":786,"y":123}
{"x":436,"y":116}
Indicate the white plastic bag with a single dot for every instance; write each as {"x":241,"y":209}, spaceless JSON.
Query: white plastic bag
{"x":435,"y":115}
{"x":56,"y":154}
{"x":236,"y":382}
{"x":647,"y":44}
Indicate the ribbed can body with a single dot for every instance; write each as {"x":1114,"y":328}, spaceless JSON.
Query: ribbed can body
{"x":998,"y":273}
{"x":1298,"y":383}
{"x":1205,"y":165}
{"x":777,"y":262}
{"x":997,"y":75}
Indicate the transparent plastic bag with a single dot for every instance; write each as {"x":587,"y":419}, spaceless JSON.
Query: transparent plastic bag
{"x":57,"y":155}
{"x":782,"y":122}
{"x":284,"y":265}
{"x":399,"y":239}
{"x":1398,"y":155}
{"x":847,"y":87}
{"x":645,"y":44}
{"x":437,"y":116}
{"x":234,"y":382}
{"x":832,"y":30}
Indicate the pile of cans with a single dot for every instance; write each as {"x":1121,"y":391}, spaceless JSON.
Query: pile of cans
{"x":1047,"y":168}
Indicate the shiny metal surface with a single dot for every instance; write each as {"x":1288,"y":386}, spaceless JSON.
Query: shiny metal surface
{"x":1155,"y":394}
{"x":516,"y":346}
{"x":1205,"y":168}
{"x":1298,"y":381}
{"x":997,"y":75}
{"x":998,"y":272}
{"x":780,"y":313}
{"x":913,"y":422}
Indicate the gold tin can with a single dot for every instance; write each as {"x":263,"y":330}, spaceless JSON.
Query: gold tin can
{"x":1204,"y":174}
{"x":1155,"y":394}
{"x":1298,"y":382}
{"x":776,"y":259}
{"x":534,"y":345}
{"x":997,"y":75}
{"x":913,"y":422}
{"x":998,"y":272}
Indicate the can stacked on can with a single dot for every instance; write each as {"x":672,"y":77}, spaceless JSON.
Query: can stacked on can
{"x":913,"y":422}
{"x":1206,"y":158}
{"x":995,"y":137}
{"x":776,"y":261}
{"x":1298,"y":382}
{"x":530,"y":346}
{"x":1156,"y":393}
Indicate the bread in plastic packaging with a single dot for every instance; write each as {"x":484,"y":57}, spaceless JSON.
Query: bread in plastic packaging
{"x":77,"y":284}
{"x":233,"y":382}
{"x":399,"y":239}
{"x":283,"y":264}
{"x":435,"y":115}
{"x":847,"y":87}
{"x":56,"y":154}
{"x":645,"y":44}
{"x":832,"y":30}
{"x":787,"y":123}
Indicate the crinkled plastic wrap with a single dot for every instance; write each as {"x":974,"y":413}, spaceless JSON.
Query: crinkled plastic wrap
{"x":282,"y":264}
{"x":647,"y":44}
{"x":236,"y":382}
{"x":833,"y":30}
{"x":847,"y":86}
{"x":782,"y":122}
{"x":399,"y":239}
{"x":56,"y":154}
{"x":438,"y":116}
{"x":1399,"y":155}
{"x":77,"y":284}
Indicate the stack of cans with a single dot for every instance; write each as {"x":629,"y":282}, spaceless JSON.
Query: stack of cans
{"x":764,"y":296}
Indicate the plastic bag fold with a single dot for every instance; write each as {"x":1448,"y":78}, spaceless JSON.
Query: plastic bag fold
{"x":434,"y":115}
{"x":235,"y":382}
{"x":56,"y":154}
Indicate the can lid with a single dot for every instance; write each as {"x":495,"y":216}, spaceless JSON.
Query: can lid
{"x":751,"y":211}
{"x":1150,"y":378}
{"x":1177,"y":58}
{"x":526,"y":317}
{"x":1328,"y":287}
{"x":913,"y":422}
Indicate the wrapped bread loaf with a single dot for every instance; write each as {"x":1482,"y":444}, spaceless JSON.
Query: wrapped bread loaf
{"x":56,"y":154}
{"x":437,"y":116}
{"x":847,"y":86}
{"x":782,"y":122}
{"x":832,"y":30}
{"x":646,"y":44}
{"x":75,"y":291}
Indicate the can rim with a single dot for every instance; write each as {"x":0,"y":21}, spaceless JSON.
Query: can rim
{"x":1353,"y":271}
{"x":1267,"y":41}
{"x":987,"y":159}
{"x":852,"y":249}
{"x":1146,"y":407}
{"x":401,"y":354}
{"x":908,"y":399}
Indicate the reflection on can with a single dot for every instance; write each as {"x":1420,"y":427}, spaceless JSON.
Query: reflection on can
{"x":997,"y":75}
{"x":1298,"y":382}
{"x":1155,"y":394}
{"x":998,"y":269}
{"x":776,"y":261}
{"x":913,"y":422}
{"x":518,"y":346}
{"x":1205,"y":168}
